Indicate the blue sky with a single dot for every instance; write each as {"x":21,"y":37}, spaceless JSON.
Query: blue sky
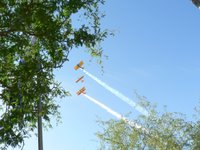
{"x":155,"y":51}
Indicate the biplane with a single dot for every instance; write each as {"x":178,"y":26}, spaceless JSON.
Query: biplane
{"x":79,"y":65}
{"x":80,"y":79}
{"x":81,"y":91}
{"x":196,"y":3}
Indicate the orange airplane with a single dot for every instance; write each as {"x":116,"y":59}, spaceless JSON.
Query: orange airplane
{"x":80,"y":79}
{"x":81,"y":91}
{"x":79,"y":65}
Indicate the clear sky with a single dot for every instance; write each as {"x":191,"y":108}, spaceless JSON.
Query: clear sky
{"x":155,"y":51}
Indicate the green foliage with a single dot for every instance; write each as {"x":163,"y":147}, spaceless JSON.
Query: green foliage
{"x":35,"y":38}
{"x":162,"y":131}
{"x":196,"y":136}
{"x":196,"y":130}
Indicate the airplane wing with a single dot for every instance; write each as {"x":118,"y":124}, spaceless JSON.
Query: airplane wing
{"x":76,"y":67}
{"x":81,"y":63}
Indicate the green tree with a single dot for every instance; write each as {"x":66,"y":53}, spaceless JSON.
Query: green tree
{"x":196,"y":130}
{"x":196,"y":136}
{"x":36,"y":37}
{"x":159,"y":131}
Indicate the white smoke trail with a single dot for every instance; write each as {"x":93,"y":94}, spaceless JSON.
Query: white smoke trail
{"x":118,"y":94}
{"x":117,"y":115}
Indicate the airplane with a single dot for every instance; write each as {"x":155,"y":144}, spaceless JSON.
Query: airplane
{"x":196,"y":3}
{"x":80,"y":79}
{"x":79,"y":65}
{"x":81,"y":91}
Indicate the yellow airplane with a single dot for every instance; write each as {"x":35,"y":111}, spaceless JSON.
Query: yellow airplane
{"x":79,"y":65}
{"x":81,"y":91}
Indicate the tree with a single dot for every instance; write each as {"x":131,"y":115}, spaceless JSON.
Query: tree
{"x":159,"y":131}
{"x":36,"y":38}
{"x":196,"y":136}
{"x":196,"y":130}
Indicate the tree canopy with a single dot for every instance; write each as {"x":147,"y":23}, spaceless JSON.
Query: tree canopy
{"x":162,"y":131}
{"x":35,"y":38}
